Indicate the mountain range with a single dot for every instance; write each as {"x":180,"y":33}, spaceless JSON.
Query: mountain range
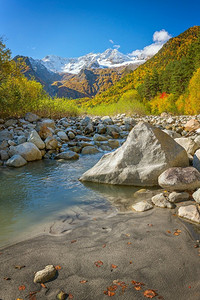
{"x":84,"y":76}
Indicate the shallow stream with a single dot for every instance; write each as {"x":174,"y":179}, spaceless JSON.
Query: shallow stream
{"x":33,"y":197}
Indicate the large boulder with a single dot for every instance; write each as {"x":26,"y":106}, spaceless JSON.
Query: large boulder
{"x":36,"y":139}
{"x":146,"y":153}
{"x":27,"y":150}
{"x":16,"y":161}
{"x":180,"y":179}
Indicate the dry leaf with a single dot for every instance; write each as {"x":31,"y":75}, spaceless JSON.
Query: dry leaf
{"x":70,"y":296}
{"x":98,"y":263}
{"x":178,"y":230}
{"x":57,"y":267}
{"x":114,"y":266}
{"x":62,"y":295}
{"x":19,"y":267}
{"x":176,"y":233}
{"x":83,"y":281}
{"x":137,"y":287}
{"x":7,"y":278}
{"x":129,"y":243}
{"x":110,"y":294}
{"x":19,"y":299}
{"x":43,"y":285}
{"x":168,"y":231}
{"x":73,"y":241}
{"x":130,"y":262}
{"x":128,"y":235}
{"x":104,"y":245}
{"x":21,"y":287}
{"x":150,"y":294}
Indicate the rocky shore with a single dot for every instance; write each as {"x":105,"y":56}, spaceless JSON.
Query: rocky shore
{"x":147,"y":252}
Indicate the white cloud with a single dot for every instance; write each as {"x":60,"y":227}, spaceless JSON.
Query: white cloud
{"x":116,"y":46}
{"x":111,"y":41}
{"x":161,"y":36}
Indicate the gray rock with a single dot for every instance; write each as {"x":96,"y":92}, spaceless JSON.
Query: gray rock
{"x":196,"y":196}
{"x":175,"y":197}
{"x":16,"y":161}
{"x":107,"y":120}
{"x":188,"y":144}
{"x":20,"y":140}
{"x":161,"y":201}
{"x":10,"y":122}
{"x":190,"y":212}
{"x":89,"y":150}
{"x":48,"y":273}
{"x":196,"y":160}
{"x":27,"y":150}
{"x":180,"y":179}
{"x":142,"y":206}
{"x":51,"y":143}
{"x":63,"y":136}
{"x":85,"y":121}
{"x":146,"y":153}
{"x":98,"y":137}
{"x":113,"y":143}
{"x":36,"y":139}
{"x":49,"y":123}
{"x":71,"y":135}
{"x":6,"y":135}
{"x":4,"y":155}
{"x":68,"y":155}
{"x":3,"y":145}
{"x":31,"y":117}
{"x":101,"y":128}
{"x":89,"y":128}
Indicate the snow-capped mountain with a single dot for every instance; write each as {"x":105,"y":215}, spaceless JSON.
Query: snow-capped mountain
{"x":110,"y":58}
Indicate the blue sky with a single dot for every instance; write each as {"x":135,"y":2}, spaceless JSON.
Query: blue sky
{"x":74,"y":28}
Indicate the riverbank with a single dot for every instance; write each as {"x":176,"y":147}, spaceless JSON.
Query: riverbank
{"x":152,"y":247}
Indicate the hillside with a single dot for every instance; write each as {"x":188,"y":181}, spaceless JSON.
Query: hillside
{"x":167,"y":73}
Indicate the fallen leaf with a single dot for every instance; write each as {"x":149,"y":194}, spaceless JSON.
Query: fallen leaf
{"x":70,"y":296}
{"x":168,"y":231}
{"x":176,"y":233}
{"x":57,"y":267}
{"x":114,"y":266}
{"x":73,"y":241}
{"x":83,"y":281}
{"x":150,"y":225}
{"x":19,"y":299}
{"x":178,"y":230}
{"x":110,"y":294}
{"x":19,"y":267}
{"x":150,"y":294}
{"x":104,"y":245}
{"x":43,"y":285}
{"x":137,"y":282}
{"x":189,"y":286}
{"x":129,"y":243}
{"x":98,"y":263}
{"x":21,"y":287}
{"x":62,"y":295}
{"x":130,"y":262}
{"x":137,"y":287}
{"x":112,"y":288}
{"x":196,"y":246}
{"x":7,"y":278}
{"x":127,"y":234}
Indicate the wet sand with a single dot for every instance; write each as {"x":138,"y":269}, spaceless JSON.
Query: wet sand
{"x":142,"y":246}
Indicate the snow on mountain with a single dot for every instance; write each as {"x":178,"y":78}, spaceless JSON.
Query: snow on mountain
{"x":110,"y":58}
